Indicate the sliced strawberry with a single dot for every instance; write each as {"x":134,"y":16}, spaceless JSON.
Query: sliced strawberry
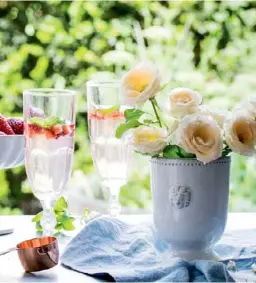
{"x":5,"y":127}
{"x":117,"y":114}
{"x":67,"y":129}
{"x":57,"y":129}
{"x":33,"y":130}
{"x":17,"y":125}
{"x":49,"y":134}
{"x":2,"y":134}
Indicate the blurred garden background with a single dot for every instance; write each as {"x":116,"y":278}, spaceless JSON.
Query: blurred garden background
{"x":205,"y":45}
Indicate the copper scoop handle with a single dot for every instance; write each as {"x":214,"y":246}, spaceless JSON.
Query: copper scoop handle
{"x":8,"y":251}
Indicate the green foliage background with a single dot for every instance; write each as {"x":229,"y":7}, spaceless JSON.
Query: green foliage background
{"x":206,"y":45}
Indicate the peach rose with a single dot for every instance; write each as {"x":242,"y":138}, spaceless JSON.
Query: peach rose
{"x":201,"y":135}
{"x":140,"y":84}
{"x":149,"y":140}
{"x":240,"y":133}
{"x":184,"y":101}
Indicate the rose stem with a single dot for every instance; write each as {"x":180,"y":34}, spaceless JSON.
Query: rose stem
{"x":154,"y":107}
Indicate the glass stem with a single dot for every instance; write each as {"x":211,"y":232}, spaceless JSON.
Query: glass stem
{"x":114,"y":208}
{"x":48,"y":221}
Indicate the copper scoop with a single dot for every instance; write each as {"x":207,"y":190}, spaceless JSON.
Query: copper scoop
{"x":37,"y":254}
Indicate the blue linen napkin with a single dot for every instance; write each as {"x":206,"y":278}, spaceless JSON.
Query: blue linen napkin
{"x":113,"y":250}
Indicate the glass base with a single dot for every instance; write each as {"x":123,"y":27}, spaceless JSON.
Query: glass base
{"x":114,"y":208}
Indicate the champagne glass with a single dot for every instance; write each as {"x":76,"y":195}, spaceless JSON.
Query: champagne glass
{"x":49,"y":117}
{"x":111,"y":156}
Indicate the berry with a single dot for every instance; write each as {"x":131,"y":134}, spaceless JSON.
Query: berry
{"x":35,"y":112}
{"x":2,"y":134}
{"x":17,"y":125}
{"x":49,"y":134}
{"x":5,"y":127}
{"x":57,"y":129}
{"x":67,"y":129}
{"x":33,"y":130}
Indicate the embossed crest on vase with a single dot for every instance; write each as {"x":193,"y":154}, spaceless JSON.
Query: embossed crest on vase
{"x":180,"y":196}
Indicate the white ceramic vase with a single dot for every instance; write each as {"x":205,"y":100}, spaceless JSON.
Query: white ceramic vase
{"x":190,"y":204}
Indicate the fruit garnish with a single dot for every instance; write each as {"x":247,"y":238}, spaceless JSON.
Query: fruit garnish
{"x":17,"y":125}
{"x":35,"y":112}
{"x":46,"y":123}
{"x":108,"y":111}
{"x":49,"y":134}
{"x":57,"y":129}
{"x":5,"y":127}
{"x":67,"y":129}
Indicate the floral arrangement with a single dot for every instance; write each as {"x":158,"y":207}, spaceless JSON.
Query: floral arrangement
{"x":195,"y":130}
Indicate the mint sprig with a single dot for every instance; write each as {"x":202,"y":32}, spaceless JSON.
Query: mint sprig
{"x":46,"y":123}
{"x":63,"y":218}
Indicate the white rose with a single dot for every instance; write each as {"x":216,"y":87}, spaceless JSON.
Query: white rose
{"x":140,"y":84}
{"x":248,"y":106}
{"x":184,"y":101}
{"x":149,"y":140}
{"x":200,"y":134}
{"x":240,"y":133}
{"x":219,"y":115}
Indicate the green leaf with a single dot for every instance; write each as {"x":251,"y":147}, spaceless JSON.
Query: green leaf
{"x":226,"y":151}
{"x":38,"y":217}
{"x":86,"y":213}
{"x":133,"y":114}
{"x":171,"y":151}
{"x":148,"y":121}
{"x":68,"y":224}
{"x":61,"y":205}
{"x":184,"y":154}
{"x":39,"y":227}
{"x":110,"y":110}
{"x":46,"y":123}
{"x":59,"y":226}
{"x":121,"y":129}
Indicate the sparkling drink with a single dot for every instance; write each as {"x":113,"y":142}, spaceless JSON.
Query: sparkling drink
{"x":49,"y":116}
{"x":111,"y":156}
{"x":49,"y":162}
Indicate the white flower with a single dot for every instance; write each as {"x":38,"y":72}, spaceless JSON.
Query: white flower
{"x":219,"y":115}
{"x":184,"y":101}
{"x":200,"y":134}
{"x":173,"y":126}
{"x":240,"y":133}
{"x":248,"y":106}
{"x":149,"y":140}
{"x":140,"y":84}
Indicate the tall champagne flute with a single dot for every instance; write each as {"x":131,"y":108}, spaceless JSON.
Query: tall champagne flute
{"x":111,"y":156}
{"x":49,"y":116}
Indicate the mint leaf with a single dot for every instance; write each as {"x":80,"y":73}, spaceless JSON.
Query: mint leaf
{"x":38,"y":217}
{"x":68,"y":224}
{"x":39,"y":227}
{"x":61,"y":205}
{"x":121,"y":129}
{"x":133,"y":114}
{"x":46,"y":123}
{"x":110,"y":110}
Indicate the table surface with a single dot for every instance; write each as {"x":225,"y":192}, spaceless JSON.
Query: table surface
{"x":11,"y":270}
